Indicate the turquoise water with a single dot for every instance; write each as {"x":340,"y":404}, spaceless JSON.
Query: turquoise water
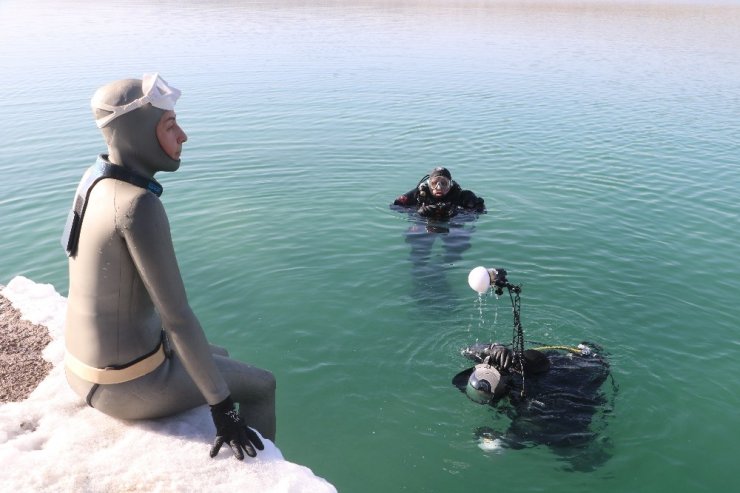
{"x":604,"y":137}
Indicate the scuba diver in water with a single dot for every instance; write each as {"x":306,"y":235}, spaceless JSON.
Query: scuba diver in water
{"x":438,"y":196}
{"x":439,"y":208}
{"x":134,"y":347}
{"x":551,"y":395}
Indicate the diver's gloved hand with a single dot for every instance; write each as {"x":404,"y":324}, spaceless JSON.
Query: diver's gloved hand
{"x":471,"y":201}
{"x":441,"y":210}
{"x":425,"y":210}
{"x":478,"y":204}
{"x":501,"y":357}
{"x":231,"y":429}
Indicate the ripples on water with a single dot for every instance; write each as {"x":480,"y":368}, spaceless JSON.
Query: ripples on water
{"x":604,"y":139}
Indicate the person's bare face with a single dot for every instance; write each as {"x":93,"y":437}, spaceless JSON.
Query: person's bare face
{"x":171,"y":137}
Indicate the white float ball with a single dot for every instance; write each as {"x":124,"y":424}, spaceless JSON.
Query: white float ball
{"x":479,"y":279}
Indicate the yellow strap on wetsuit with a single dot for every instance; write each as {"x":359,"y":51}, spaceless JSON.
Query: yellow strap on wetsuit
{"x":564,"y":348}
{"x":107,"y":376}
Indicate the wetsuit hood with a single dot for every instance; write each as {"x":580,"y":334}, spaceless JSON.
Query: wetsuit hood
{"x":132,"y":137}
{"x":440,"y":171}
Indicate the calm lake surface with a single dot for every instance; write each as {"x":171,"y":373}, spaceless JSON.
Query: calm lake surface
{"x":604,"y":136}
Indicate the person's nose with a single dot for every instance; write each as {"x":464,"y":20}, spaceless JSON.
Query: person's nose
{"x":183,"y":137}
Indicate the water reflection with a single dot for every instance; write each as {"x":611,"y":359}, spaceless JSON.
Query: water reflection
{"x":431,"y":287}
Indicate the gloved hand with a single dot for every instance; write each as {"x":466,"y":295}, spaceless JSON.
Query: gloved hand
{"x":425,"y":210}
{"x":471,"y":201}
{"x":478,"y":205}
{"x":442,"y":210}
{"x":501,"y":357}
{"x":231,"y":429}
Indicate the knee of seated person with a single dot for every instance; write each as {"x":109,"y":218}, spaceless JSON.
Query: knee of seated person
{"x":270,"y":381}
{"x":265,"y":382}
{"x":218,"y":350}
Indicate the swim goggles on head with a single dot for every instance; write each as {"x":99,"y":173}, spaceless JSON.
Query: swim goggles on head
{"x":441,"y":182}
{"x":156,"y":91}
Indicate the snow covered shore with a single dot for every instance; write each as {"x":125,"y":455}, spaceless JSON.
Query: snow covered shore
{"x":52,"y":442}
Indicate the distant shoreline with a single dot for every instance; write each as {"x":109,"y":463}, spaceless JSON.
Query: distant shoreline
{"x":22,"y":366}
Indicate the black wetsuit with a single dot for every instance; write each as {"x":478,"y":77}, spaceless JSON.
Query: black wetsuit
{"x":564,"y":407}
{"x":426,"y":204}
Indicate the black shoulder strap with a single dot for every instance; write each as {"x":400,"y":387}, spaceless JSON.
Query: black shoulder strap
{"x":99,"y":171}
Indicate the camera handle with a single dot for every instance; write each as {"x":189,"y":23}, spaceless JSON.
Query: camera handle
{"x":517,"y":338}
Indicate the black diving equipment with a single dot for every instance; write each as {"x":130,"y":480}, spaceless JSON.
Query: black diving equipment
{"x":232,"y":430}
{"x":480,"y":279}
{"x":499,"y":280}
{"x":100,"y":170}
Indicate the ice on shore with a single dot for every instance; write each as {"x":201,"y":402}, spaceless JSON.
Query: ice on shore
{"x":53,"y":442}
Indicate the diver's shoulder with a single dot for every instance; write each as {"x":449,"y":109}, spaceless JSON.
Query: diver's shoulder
{"x":124,"y":192}
{"x":126,"y":198}
{"x":142,"y":200}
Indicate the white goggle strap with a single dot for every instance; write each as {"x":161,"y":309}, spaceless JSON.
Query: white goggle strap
{"x":156,"y":92}
{"x":118,"y":110}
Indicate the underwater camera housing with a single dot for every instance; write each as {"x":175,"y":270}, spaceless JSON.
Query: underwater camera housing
{"x":485,"y":384}
{"x":482,"y":279}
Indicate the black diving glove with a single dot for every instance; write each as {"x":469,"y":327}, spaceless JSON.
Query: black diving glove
{"x":231,"y":429}
{"x":442,"y":210}
{"x":501,"y":357}
{"x":470,"y":201}
{"x":478,"y":205}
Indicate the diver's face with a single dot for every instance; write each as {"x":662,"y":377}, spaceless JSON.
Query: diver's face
{"x":439,"y":185}
{"x":171,"y":137}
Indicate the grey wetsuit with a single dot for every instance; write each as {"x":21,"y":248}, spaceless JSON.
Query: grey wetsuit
{"x":125,"y":288}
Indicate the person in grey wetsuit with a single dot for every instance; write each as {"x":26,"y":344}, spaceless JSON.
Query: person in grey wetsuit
{"x":135,"y":349}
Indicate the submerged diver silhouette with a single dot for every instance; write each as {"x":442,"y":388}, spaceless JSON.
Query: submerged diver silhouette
{"x":552,"y":395}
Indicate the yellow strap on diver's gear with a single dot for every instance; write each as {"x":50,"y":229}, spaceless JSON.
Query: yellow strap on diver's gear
{"x":108,"y":376}
{"x":564,"y":348}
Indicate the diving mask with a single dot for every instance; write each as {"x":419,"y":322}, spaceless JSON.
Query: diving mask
{"x":156,"y":91}
{"x":439,"y":182}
